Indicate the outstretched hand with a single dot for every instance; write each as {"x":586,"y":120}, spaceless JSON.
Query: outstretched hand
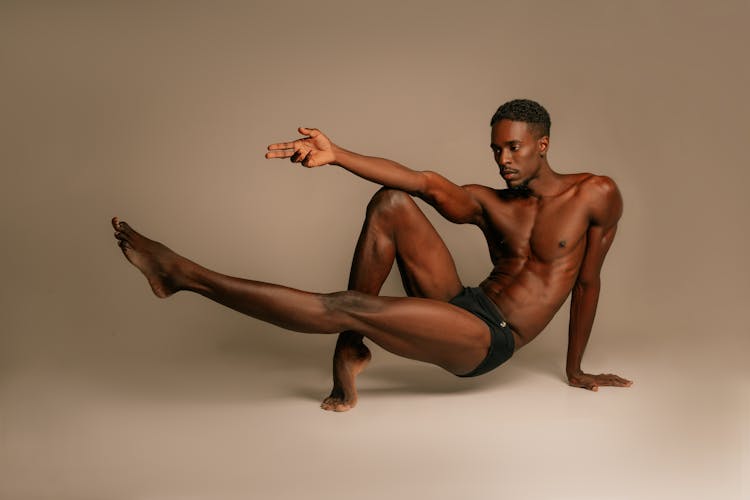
{"x":311,"y":151}
{"x":592,"y":382}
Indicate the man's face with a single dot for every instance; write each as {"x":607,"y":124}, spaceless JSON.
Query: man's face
{"x":518,"y":152}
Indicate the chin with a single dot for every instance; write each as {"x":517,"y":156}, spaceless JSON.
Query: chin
{"x":519,"y":189}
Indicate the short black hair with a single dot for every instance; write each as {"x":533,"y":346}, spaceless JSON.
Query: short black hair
{"x":524,"y":110}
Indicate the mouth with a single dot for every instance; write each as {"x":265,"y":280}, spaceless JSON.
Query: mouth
{"x":507,"y":173}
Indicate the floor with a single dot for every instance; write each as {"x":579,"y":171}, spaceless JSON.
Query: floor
{"x":238,"y":417}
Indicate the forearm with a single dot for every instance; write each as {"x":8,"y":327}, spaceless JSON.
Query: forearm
{"x":380,"y":170}
{"x":584,"y":300}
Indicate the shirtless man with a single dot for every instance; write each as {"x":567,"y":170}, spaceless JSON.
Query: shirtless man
{"x":547,"y":233}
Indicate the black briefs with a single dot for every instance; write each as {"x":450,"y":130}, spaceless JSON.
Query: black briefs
{"x":502,"y":343}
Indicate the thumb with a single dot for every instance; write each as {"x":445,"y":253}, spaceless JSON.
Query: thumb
{"x":312,"y":132}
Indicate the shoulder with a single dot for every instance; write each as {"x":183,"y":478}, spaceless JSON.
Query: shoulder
{"x":479,"y":190}
{"x":481,"y":193}
{"x":603,"y":199}
{"x":600,"y":184}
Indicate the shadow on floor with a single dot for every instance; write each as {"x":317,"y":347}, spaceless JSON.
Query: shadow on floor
{"x":266,"y":365}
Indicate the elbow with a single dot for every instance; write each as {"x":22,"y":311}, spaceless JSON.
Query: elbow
{"x":424,"y":187}
{"x":587,"y":284}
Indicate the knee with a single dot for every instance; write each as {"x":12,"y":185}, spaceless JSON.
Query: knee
{"x":387,"y":202}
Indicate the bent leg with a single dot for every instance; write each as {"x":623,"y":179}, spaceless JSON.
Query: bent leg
{"x":417,"y":328}
{"x":423,"y":329}
{"x":394,"y":229}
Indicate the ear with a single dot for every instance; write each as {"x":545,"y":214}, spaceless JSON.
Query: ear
{"x":543,"y":145}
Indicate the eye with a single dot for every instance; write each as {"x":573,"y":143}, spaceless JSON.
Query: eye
{"x":515,"y":147}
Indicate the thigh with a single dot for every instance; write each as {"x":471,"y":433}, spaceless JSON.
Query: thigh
{"x":427,"y":330}
{"x":426,"y":266}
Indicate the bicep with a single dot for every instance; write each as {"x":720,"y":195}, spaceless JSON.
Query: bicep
{"x":458,"y":204}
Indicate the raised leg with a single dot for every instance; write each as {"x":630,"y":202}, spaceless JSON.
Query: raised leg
{"x":394,"y":229}
{"x":417,"y":328}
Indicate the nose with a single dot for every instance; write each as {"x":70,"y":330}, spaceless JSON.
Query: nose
{"x":504,"y":156}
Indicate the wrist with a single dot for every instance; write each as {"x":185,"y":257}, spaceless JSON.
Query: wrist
{"x":338,"y":155}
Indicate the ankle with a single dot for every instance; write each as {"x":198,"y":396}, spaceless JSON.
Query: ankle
{"x":188,"y":275}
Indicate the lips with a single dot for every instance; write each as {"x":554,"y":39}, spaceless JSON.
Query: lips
{"x":507,"y":174}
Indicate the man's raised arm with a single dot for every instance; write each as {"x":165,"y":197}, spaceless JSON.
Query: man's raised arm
{"x":454,"y":202}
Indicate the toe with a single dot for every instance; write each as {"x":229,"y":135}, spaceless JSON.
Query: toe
{"x":116,"y":223}
{"x":335,"y":404}
{"x":125,"y":228}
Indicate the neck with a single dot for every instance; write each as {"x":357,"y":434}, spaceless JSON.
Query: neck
{"x":546,"y":182}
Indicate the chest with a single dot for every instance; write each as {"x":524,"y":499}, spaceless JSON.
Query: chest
{"x":544,"y":230}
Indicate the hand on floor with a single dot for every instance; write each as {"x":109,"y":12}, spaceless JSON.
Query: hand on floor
{"x":592,"y":382}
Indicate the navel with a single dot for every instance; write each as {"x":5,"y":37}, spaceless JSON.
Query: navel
{"x":562,"y":244}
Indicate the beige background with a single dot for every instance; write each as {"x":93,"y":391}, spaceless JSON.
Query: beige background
{"x":160,"y":112}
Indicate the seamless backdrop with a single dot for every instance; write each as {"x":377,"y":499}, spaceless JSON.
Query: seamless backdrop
{"x":160,"y":113}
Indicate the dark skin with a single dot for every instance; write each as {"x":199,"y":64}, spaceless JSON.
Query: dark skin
{"x":543,"y":245}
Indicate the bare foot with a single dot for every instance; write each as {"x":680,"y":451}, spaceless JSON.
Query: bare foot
{"x":158,"y":263}
{"x":348,"y":361}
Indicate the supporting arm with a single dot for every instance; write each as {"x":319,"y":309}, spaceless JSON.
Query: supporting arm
{"x":606,"y":210}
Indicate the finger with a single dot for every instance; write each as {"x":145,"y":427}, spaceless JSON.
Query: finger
{"x":589,"y":385}
{"x":613,"y":380}
{"x":300,"y":155}
{"x":281,"y":145}
{"x":298,"y":158}
{"x":312,"y":132}
{"x":309,"y":160}
{"x":579,"y":384}
{"x":280,"y":154}
{"x":623,"y":382}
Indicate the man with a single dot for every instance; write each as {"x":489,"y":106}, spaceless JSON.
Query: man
{"x":547,"y":233}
